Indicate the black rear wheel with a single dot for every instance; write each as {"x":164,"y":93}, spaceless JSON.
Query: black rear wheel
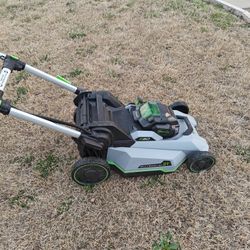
{"x":200,"y":161}
{"x":180,"y":106}
{"x":90,"y":171}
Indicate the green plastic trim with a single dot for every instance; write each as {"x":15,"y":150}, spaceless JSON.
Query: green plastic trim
{"x":14,"y":57}
{"x":163,"y":132}
{"x":63,"y":79}
{"x":162,"y":169}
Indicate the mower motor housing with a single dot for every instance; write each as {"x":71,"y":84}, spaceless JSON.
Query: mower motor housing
{"x":110,"y":123}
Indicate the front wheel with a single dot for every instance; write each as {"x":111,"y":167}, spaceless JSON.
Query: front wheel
{"x":180,"y":106}
{"x":90,"y":171}
{"x":200,"y":161}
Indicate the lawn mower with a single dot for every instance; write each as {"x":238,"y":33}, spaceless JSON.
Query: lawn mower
{"x":141,"y":138}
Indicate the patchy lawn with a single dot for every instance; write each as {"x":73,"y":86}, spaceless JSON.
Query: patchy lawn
{"x":159,"y":49}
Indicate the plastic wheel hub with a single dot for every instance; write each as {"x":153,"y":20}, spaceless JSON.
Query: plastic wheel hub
{"x":200,"y":161}
{"x":203,"y":164}
{"x":90,"y":174}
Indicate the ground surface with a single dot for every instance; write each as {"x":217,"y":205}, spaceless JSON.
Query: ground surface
{"x":164,"y":50}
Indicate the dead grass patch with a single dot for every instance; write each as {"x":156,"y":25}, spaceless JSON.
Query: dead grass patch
{"x":160,"y":50}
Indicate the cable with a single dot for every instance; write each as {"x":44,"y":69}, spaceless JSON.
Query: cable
{"x":58,"y":121}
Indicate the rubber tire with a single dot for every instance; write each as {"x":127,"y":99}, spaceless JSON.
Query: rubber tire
{"x":180,"y":106}
{"x":93,"y":171}
{"x":201,"y":157}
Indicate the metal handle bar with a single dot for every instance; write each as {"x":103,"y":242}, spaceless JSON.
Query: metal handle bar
{"x":13,"y":63}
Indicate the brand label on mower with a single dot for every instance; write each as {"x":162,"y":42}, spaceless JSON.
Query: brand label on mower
{"x":163,"y":164}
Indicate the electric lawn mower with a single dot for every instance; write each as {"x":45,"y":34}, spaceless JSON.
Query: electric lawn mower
{"x":146,"y":137}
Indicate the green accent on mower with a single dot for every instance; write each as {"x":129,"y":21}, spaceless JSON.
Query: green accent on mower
{"x":161,"y":168}
{"x":149,"y":109}
{"x":14,"y":57}
{"x":61,"y":78}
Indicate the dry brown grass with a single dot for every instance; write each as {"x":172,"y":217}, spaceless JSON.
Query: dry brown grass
{"x":158,"y":50}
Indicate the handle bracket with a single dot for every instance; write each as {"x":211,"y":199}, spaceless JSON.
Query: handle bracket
{"x":13,"y":63}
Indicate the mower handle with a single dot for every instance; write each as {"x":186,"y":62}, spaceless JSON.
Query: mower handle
{"x":12,"y":63}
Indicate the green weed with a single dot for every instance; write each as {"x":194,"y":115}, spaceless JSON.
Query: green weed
{"x":227,"y":67}
{"x":131,"y":3}
{"x":166,"y":242}
{"x":223,"y":20}
{"x":199,"y":10}
{"x":113,"y":74}
{"x":12,"y":7}
{"x":3,"y":2}
{"x":201,"y":5}
{"x":20,"y":92}
{"x":152,"y":181}
{"x":108,"y":15}
{"x":64,"y":206}
{"x":77,"y":34}
{"x":86,"y":51}
{"x":21,"y":76}
{"x":75,"y":73}
{"x":204,"y":29}
{"x":244,"y":152}
{"x":44,"y":58}
{"x":16,"y":9}
{"x":175,"y":5}
{"x":24,"y":160}
{"x":46,"y":166}
{"x":152,"y":14}
{"x":89,"y":188}
{"x":167,"y":78}
{"x":245,"y":25}
{"x":72,"y":7}
{"x":29,"y":19}
{"x":21,"y":199}
{"x":117,"y":60}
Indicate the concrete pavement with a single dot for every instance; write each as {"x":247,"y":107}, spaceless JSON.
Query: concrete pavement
{"x":244,"y":4}
{"x":240,"y":8}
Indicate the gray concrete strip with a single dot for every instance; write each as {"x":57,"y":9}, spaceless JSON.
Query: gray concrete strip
{"x":244,"y":4}
{"x":238,"y":11}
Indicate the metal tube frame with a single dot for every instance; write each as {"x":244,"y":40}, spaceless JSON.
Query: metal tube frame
{"x":4,"y":76}
{"x":40,"y":74}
